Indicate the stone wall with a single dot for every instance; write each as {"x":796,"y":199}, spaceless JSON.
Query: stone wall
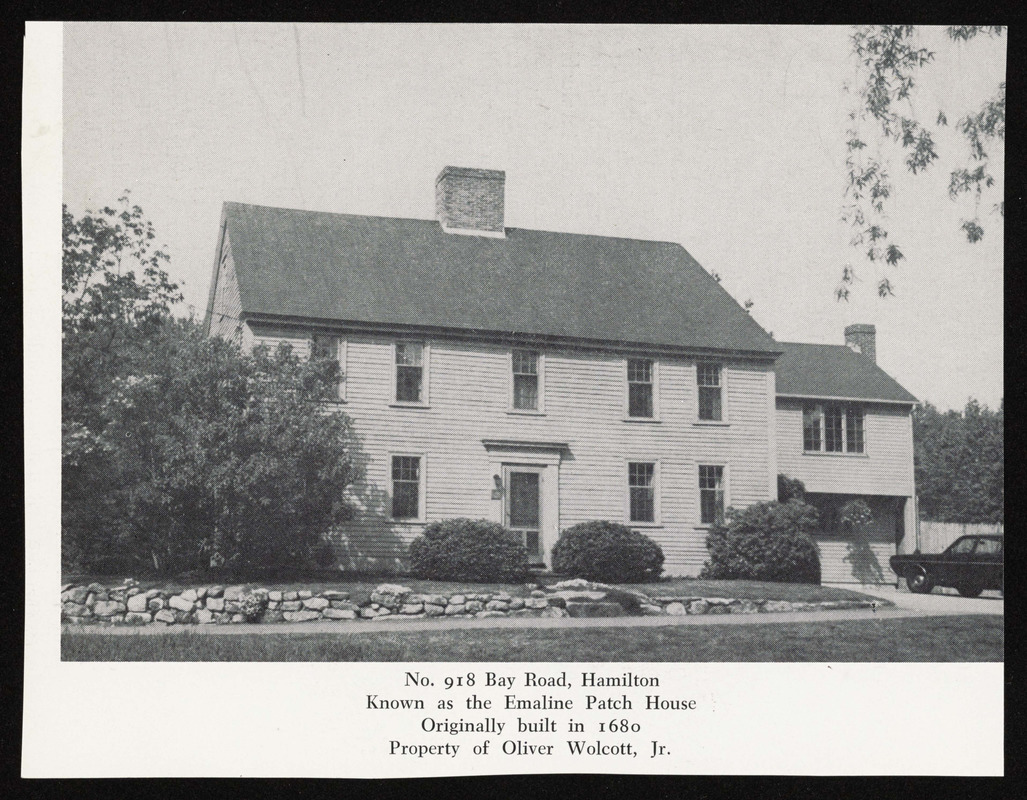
{"x":129,"y":604}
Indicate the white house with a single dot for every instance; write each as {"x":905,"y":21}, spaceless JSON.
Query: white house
{"x":543,"y":379}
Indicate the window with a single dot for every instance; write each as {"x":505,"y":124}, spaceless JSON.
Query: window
{"x":525,"y":380}
{"x":640,"y":388}
{"x":406,"y":487}
{"x":711,"y":494}
{"x":642,"y":492}
{"x":325,"y":347}
{"x":710,"y":392}
{"x":832,"y":428}
{"x":410,"y":372}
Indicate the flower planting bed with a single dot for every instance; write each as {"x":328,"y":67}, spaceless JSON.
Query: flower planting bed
{"x":129,"y":604}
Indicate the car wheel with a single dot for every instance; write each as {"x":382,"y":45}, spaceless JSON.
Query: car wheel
{"x":918,"y":581}
{"x":970,"y":589}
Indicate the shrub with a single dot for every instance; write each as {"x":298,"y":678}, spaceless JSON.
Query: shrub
{"x":790,"y":489}
{"x":468,"y":550}
{"x":607,"y":551}
{"x":765,"y":542}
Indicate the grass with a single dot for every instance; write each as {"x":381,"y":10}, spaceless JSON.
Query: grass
{"x":957,"y":638}
{"x":668,"y":587}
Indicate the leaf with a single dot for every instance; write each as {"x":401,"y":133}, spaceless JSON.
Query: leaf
{"x":893,"y":255}
{"x":974,"y":232}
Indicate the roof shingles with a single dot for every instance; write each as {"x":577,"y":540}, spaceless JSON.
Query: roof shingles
{"x":828,"y":370}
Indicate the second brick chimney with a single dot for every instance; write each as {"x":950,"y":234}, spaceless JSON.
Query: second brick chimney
{"x":470,"y":201}
{"x":863,"y":339}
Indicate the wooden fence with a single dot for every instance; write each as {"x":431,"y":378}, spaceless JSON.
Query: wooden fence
{"x":936,"y":536}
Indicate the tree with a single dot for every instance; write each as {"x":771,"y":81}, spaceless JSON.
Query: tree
{"x":889,"y":62}
{"x":179,"y":451}
{"x":959,"y":463}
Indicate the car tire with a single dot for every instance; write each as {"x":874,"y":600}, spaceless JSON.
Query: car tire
{"x":918,"y":582}
{"x":970,"y":589}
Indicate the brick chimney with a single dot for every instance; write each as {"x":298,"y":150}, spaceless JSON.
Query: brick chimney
{"x":470,"y":201}
{"x":863,"y":339}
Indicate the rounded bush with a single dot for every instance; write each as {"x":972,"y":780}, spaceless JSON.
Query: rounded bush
{"x":608,"y":552}
{"x":468,"y":550}
{"x":765,"y":542}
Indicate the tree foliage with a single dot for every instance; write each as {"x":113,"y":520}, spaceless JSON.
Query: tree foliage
{"x":889,"y":62}
{"x":959,"y":463}
{"x":179,"y":452}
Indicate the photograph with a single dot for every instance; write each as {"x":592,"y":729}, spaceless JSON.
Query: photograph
{"x":531,"y":343}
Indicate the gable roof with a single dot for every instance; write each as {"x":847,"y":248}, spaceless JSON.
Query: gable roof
{"x":380,"y":270}
{"x":836,"y":371}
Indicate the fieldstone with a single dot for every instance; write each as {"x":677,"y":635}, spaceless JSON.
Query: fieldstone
{"x":594,"y":609}
{"x":536,"y":602}
{"x":65,"y":587}
{"x":190,"y":595}
{"x":338,"y":613}
{"x":155,"y":604}
{"x":78,"y":595}
{"x":530,"y":587}
{"x":652,"y":610}
{"x":108,"y":608}
{"x":497,"y":605}
{"x":776,"y":606}
{"x":455,"y":608}
{"x":804,"y":606}
{"x":537,"y":593}
{"x":474,"y":606}
{"x":238,"y":619}
{"x":555,"y":612}
{"x":96,"y":588}
{"x":204,"y":617}
{"x":233,"y":606}
{"x":78,"y":620}
{"x":100,"y":597}
{"x":273,"y":615}
{"x":502,"y":596}
{"x":315,"y":603}
{"x":234,"y":593}
{"x":222,"y":617}
{"x":137,"y":603}
{"x":304,"y":594}
{"x":698,"y":607}
{"x":525,"y":612}
{"x":516,"y":603}
{"x":343,"y":605}
{"x":411,"y":608}
{"x":675,"y":609}
{"x":116,"y":597}
{"x":201,"y":593}
{"x":744,"y":607}
{"x":556,"y":601}
{"x":435,"y":599}
{"x":217,"y":590}
{"x":490,"y":614}
{"x":90,"y":599}
{"x":578,"y":595}
{"x":719,"y":608}
{"x":389,"y":594}
{"x":273,"y":606}
{"x":481,"y":598}
{"x":75,"y":610}
{"x":829,"y":605}
{"x":368,"y":613}
{"x":335,"y":594}
{"x":165,"y":616}
{"x":457,"y":600}
{"x":384,"y":611}
{"x":291,"y":605}
{"x":434,"y":610}
{"x":290,"y":595}
{"x":179,"y":603}
{"x":138,"y":618}
{"x":274,"y":596}
{"x":133,"y":591}
{"x":215,"y":603}
{"x":152,"y":593}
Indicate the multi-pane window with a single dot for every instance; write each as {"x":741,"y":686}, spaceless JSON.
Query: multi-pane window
{"x":406,"y":487}
{"x":832,"y":428}
{"x":640,"y":387}
{"x":711,"y":494}
{"x":409,"y":372}
{"x":811,"y":423}
{"x":642,"y":492}
{"x":710,"y":391}
{"x":330,"y":347}
{"x":525,"y":380}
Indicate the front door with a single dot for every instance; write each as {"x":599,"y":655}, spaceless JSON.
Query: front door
{"x":523,"y":508}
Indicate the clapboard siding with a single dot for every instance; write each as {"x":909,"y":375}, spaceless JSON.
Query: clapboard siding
{"x":227,"y":308}
{"x":885,"y":468}
{"x":584,"y":400}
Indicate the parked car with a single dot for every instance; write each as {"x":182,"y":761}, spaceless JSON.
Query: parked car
{"x":970,"y":564}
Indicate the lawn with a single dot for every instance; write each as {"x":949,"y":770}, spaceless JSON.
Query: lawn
{"x":668,"y":587}
{"x":957,"y":638}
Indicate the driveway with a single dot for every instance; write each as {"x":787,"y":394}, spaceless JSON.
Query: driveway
{"x":938,"y":602}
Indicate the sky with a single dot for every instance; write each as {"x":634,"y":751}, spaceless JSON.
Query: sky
{"x":727,"y":139}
